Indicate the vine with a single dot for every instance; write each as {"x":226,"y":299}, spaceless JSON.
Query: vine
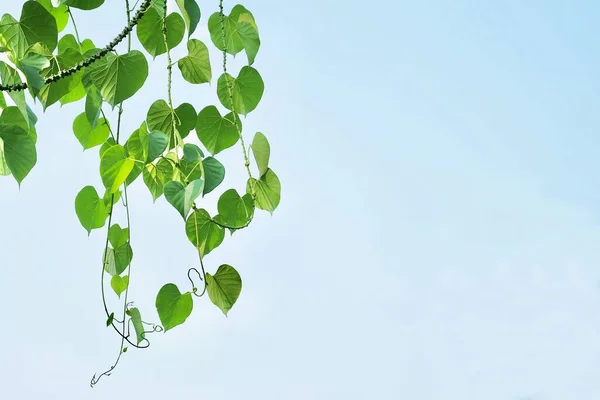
{"x":161,"y":151}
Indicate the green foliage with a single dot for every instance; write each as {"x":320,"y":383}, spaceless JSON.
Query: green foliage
{"x":62,"y":68}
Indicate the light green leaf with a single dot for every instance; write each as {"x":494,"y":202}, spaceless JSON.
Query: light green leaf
{"x":117,"y":260}
{"x":115,"y":166}
{"x":118,"y":77}
{"x":51,"y":93}
{"x":195,"y":67}
{"x":173,"y":307}
{"x":262,"y":151}
{"x":87,"y":136}
{"x":182,"y":197}
{"x":234,"y":211}
{"x":118,"y":236}
{"x":241,"y":32}
{"x":59,"y":13}
{"x":93,"y":106}
{"x":268,"y":191}
{"x":160,"y":118}
{"x":36,"y":25}
{"x":157,"y":176}
{"x":224,"y":287}
{"x":68,"y":41}
{"x":214,"y":173}
{"x":203,"y":233}
{"x":10,"y":76}
{"x":4,"y":169}
{"x":19,"y":150}
{"x":31,"y":66}
{"x":119,"y":284}
{"x":191,"y":14}
{"x":110,"y":142}
{"x":150,"y":31}
{"x":247,"y":90}
{"x":217,"y":133}
{"x":90,"y":209}
{"x":138,"y":326}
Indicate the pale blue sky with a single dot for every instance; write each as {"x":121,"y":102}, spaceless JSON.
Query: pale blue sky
{"x":437,"y":237}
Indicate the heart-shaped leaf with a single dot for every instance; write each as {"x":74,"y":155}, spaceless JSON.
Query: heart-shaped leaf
{"x":182,"y":197}
{"x":118,"y":236}
{"x":224,"y":287}
{"x":217,"y":133}
{"x":267,"y":189}
{"x":150,"y":31}
{"x":235,"y":211}
{"x":118,"y":77}
{"x":90,"y":209}
{"x":187,"y":116}
{"x":203,"y":233}
{"x":247,"y":90}
{"x":241,"y":32}
{"x":115,"y":166}
{"x":192,"y":153}
{"x":84,"y":4}
{"x":160,"y":117}
{"x":157,"y":176}
{"x":119,"y":284}
{"x":88,"y":136}
{"x":117,"y":260}
{"x":173,"y":307}
{"x":19,"y":150}
{"x":36,"y":25}
{"x":157,"y":144}
{"x":191,"y":14}
{"x":214,"y":173}
{"x":195,"y":67}
{"x":262,"y":151}
{"x":59,"y":13}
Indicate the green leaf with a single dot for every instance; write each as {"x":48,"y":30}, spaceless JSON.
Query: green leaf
{"x":150,"y":31}
{"x":117,"y":260}
{"x":173,"y":307}
{"x":4,"y":169}
{"x":217,"y":133}
{"x":111,"y":197}
{"x":31,"y":66}
{"x":115,"y":166}
{"x":191,"y":14}
{"x":87,"y":136}
{"x":157,"y":144}
{"x":59,"y":13}
{"x":51,"y":93}
{"x":160,"y":118}
{"x":118,"y":236}
{"x":19,"y":150}
{"x":241,"y":32}
{"x":10,"y":76}
{"x":12,"y":116}
{"x":138,"y":326}
{"x":36,"y":25}
{"x":192,"y":153}
{"x":235,"y":212}
{"x":118,"y":77}
{"x":247,"y":90}
{"x":268,"y":191}
{"x":195,"y":67}
{"x":110,"y":319}
{"x":119,"y":284}
{"x":203,"y":232}
{"x":90,"y":209}
{"x":110,"y":142}
{"x":137,"y":144}
{"x":93,"y":106}
{"x":68,"y":41}
{"x":85,"y":4}
{"x":157,"y":176}
{"x":187,"y":119}
{"x":182,"y":197}
{"x":224,"y":287}
{"x":262,"y":151}
{"x":214,"y":173}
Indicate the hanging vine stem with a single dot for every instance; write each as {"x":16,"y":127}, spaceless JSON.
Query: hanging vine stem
{"x":93,"y":58}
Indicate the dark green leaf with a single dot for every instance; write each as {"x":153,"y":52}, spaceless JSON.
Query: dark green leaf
{"x":214,"y":173}
{"x":93,"y":106}
{"x":217,"y":133}
{"x":191,"y":14}
{"x":150,"y":31}
{"x":157,"y":144}
{"x":84,"y":4}
{"x":187,"y":119}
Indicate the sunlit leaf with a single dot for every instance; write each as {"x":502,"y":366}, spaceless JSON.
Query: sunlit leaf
{"x":203,"y":233}
{"x":224,"y":287}
{"x":173,"y":307}
{"x":195,"y":67}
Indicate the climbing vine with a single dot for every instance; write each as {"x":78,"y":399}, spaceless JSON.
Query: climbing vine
{"x":46,"y":65}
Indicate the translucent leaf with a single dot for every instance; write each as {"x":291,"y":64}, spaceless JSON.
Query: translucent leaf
{"x":36,"y":25}
{"x":203,"y":233}
{"x":119,"y":284}
{"x":268,"y":191}
{"x":195,"y":67}
{"x":118,"y":236}
{"x":224,"y":287}
{"x":157,"y":176}
{"x":59,"y":13}
{"x":87,"y":136}
{"x":115,"y":166}
{"x":262,"y":151}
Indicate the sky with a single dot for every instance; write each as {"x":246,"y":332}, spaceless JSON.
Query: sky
{"x":437,"y":235}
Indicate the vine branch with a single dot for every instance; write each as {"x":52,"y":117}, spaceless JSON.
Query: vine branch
{"x":90,"y":60}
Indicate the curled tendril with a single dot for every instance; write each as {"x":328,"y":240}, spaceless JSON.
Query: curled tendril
{"x":93,"y":58}
{"x":194,"y":288}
